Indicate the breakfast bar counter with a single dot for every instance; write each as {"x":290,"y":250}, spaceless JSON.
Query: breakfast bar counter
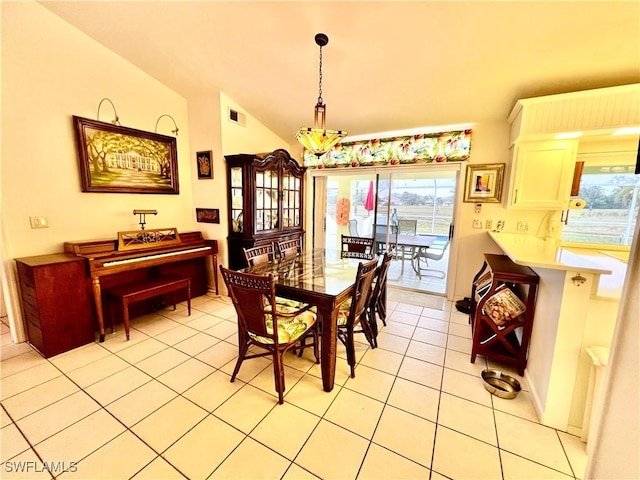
{"x":572,"y":313}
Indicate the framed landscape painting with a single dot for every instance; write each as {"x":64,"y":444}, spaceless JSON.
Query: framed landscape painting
{"x":116,"y":159}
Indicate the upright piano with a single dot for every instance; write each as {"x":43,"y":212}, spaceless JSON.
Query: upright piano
{"x":138,"y":255}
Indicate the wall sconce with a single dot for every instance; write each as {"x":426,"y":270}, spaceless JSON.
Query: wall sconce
{"x":115,"y":121}
{"x":175,"y":132}
{"x":143,"y":214}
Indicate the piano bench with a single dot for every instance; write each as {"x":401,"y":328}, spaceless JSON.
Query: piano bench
{"x":153,"y":287}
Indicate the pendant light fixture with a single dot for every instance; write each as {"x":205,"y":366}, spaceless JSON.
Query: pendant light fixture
{"x":318,"y":140}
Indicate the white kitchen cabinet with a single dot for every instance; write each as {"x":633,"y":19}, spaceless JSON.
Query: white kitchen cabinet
{"x":541,"y":174}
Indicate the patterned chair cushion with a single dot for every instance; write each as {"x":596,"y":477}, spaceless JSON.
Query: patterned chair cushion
{"x":289,"y":329}
{"x":343,"y":313}
{"x":290,"y":303}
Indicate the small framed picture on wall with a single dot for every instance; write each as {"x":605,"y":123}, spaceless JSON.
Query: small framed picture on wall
{"x":208,"y":215}
{"x":484,"y":183}
{"x":205,"y":164}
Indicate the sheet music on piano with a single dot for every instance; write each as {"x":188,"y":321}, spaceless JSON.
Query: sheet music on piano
{"x":137,"y":239}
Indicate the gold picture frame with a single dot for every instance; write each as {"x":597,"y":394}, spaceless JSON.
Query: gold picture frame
{"x":483,"y":183}
{"x":116,"y":159}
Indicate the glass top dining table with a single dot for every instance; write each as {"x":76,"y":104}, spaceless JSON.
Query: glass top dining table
{"x":313,"y":277}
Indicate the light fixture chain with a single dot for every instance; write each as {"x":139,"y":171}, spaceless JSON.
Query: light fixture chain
{"x":320,"y":79}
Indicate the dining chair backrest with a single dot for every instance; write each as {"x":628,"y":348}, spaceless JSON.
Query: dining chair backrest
{"x":362,"y":290}
{"x":353,"y":227}
{"x":289,"y":248}
{"x":250,"y":295}
{"x":436,"y":252}
{"x":357,"y":247}
{"x":407,"y":226}
{"x":258,"y":255}
{"x":265,"y":323}
{"x":354,"y":313}
{"x":377,"y":302}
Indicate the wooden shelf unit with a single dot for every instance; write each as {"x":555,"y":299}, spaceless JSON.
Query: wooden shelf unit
{"x":57,"y":309}
{"x":508,"y":343}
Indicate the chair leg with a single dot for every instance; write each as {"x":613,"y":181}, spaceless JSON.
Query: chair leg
{"x":351,"y":351}
{"x":316,"y":344}
{"x":382,"y":311}
{"x":373,"y":325}
{"x":367,"y":329}
{"x":244,"y":346}
{"x":278,"y":375}
{"x":302,"y":346}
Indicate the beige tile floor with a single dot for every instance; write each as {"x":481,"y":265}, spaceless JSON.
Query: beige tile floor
{"x":433,"y":280}
{"x":161,"y":406}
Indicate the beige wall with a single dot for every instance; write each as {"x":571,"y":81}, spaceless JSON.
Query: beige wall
{"x":50,"y":72}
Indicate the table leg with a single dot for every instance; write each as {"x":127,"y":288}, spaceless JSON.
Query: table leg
{"x":329,"y":318}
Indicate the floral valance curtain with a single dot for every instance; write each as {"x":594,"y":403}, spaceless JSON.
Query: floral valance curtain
{"x":424,"y":148}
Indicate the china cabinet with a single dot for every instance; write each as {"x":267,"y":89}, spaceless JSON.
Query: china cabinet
{"x":265,"y":201}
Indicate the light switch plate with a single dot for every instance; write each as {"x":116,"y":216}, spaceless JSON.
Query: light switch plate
{"x":38,"y":222}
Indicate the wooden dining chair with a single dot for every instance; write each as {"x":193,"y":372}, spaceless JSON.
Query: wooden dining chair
{"x":357,"y":247}
{"x":378,"y":301}
{"x":289,"y":248}
{"x":257,"y":255}
{"x":353,"y":312}
{"x":263,"y":323}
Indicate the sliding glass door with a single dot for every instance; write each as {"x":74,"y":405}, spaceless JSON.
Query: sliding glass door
{"x":409,"y":212}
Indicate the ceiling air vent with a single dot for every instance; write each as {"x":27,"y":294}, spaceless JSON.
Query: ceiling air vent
{"x":237,"y":117}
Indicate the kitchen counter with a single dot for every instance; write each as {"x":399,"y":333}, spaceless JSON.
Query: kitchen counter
{"x":532,"y":251}
{"x":576,"y":308}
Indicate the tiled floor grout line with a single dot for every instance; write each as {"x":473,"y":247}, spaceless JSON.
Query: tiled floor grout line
{"x":24,"y":437}
{"x":304,"y":373}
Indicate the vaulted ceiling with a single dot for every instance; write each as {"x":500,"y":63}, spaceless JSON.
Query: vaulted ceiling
{"x":388,"y":65}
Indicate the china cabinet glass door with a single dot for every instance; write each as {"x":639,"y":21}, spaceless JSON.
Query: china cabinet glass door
{"x":291,"y":200}
{"x":266,"y":208}
{"x":236,"y":199}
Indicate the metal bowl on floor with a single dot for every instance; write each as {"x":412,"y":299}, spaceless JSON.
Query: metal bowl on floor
{"x":500,"y":384}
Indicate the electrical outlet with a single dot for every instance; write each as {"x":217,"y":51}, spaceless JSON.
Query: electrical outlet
{"x":499,"y":225}
{"x":38,"y":222}
{"x":522,"y":226}
{"x":488,"y":224}
{"x":477,"y":224}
